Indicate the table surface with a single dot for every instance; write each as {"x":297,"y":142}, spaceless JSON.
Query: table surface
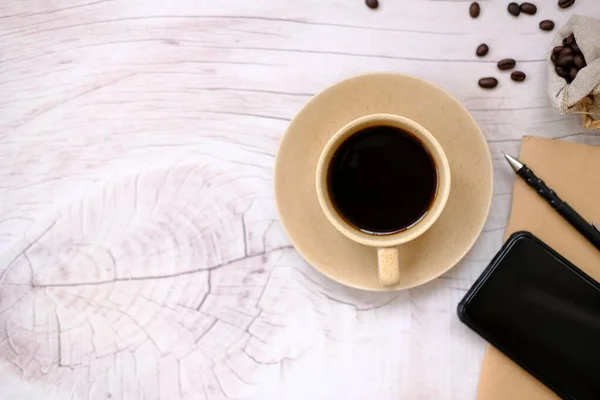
{"x":141,"y":252}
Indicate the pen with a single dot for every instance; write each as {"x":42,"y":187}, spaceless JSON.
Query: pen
{"x":590,"y":231}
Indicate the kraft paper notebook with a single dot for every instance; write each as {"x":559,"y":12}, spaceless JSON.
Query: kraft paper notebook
{"x":573,"y":171}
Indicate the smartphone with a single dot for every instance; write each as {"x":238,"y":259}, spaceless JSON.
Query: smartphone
{"x":543,"y":313}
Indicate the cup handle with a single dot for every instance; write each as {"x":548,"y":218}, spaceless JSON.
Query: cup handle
{"x":388,"y":266}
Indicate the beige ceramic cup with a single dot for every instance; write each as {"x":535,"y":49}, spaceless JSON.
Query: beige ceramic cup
{"x":387,"y":253}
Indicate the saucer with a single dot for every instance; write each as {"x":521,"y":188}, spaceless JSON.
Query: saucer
{"x":452,"y":235}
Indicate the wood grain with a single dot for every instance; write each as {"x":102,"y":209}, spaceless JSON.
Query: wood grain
{"x":141,"y":254}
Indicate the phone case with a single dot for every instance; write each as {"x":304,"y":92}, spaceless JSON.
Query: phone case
{"x":462,"y":306}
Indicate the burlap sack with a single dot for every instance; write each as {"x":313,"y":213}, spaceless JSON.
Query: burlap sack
{"x":582,"y":96}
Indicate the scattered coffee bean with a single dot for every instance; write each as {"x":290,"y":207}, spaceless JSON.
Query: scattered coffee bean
{"x":573,"y":72}
{"x":567,"y":59}
{"x":528,"y":8}
{"x":474,"y":10}
{"x":514,"y":9}
{"x":518,"y":76}
{"x":547,"y":25}
{"x":372,"y":4}
{"x":568,"y":41}
{"x":507,"y":63}
{"x":579,"y":61}
{"x":565,"y":3}
{"x":488,"y":83}
{"x":482,"y":50}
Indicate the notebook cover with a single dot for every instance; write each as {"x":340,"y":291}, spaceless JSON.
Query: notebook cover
{"x":573,"y":171}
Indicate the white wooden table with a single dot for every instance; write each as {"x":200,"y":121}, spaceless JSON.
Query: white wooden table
{"x":141,"y":254}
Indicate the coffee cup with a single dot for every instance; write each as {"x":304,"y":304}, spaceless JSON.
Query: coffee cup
{"x":383,"y":180}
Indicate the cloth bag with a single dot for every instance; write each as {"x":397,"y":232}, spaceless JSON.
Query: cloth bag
{"x":582,"y":96}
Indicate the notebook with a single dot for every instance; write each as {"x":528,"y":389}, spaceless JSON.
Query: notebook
{"x":573,"y":171}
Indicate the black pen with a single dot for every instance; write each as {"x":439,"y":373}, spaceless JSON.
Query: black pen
{"x":590,"y":231}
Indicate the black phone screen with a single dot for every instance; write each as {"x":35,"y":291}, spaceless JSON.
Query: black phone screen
{"x":542,"y":312}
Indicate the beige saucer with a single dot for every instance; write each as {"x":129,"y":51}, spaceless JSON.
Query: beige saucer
{"x":451,"y":236}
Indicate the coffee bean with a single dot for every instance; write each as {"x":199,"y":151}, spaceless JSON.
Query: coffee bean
{"x":568,"y":59}
{"x":557,"y":50}
{"x":561,"y":72}
{"x":514,"y":9}
{"x":488,"y":83}
{"x":528,"y":8}
{"x":482,"y":50}
{"x":575,"y":48}
{"x":507,"y":63}
{"x":565,"y":61}
{"x":474,"y":10}
{"x":372,"y":4}
{"x":565,"y":3}
{"x":569,"y":40}
{"x":546,"y":25}
{"x":579,"y":61}
{"x":518,"y":76}
{"x":573,"y":72}
{"x":565,"y":52}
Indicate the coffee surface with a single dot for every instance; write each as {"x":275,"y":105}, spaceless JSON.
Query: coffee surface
{"x":382,"y":180}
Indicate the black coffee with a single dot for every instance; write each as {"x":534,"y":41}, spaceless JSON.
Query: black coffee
{"x":382,"y":180}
